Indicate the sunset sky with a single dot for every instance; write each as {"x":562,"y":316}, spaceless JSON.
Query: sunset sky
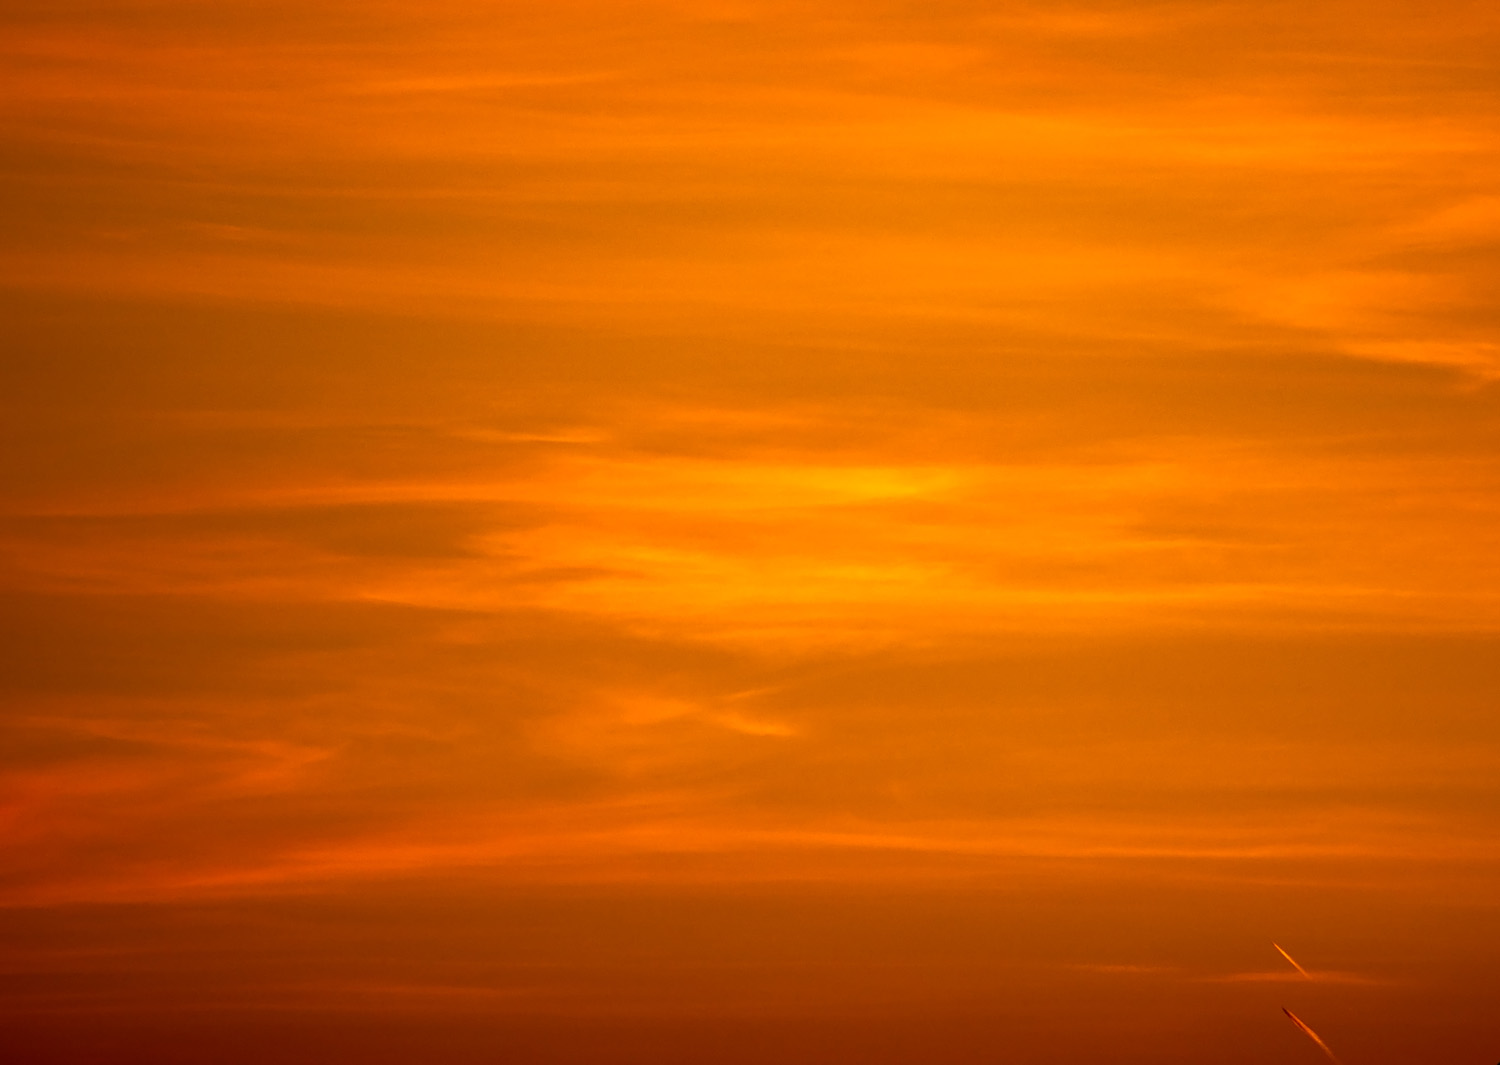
{"x":721,"y":532}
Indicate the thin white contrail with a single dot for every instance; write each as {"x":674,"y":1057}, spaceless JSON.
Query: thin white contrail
{"x":1314,"y":1036}
{"x":1293,"y":960}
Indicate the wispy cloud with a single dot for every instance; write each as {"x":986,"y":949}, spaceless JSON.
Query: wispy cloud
{"x":1038,"y":462}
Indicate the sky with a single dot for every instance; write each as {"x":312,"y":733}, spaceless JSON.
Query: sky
{"x":709,"y":532}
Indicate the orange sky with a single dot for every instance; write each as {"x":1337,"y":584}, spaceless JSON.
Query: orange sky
{"x":594,"y":533}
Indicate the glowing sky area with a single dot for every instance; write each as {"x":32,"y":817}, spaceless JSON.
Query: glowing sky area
{"x":720,"y":532}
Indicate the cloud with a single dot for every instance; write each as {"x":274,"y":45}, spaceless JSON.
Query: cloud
{"x":1322,"y":976}
{"x":721,"y":510}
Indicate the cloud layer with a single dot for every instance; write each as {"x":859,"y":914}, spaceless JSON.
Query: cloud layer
{"x":601,"y":515}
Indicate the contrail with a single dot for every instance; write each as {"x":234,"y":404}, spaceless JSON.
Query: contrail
{"x":1293,"y":960}
{"x":1312,"y":1034}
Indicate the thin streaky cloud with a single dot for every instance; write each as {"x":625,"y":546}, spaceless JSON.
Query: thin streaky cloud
{"x":1292,"y":978}
{"x":577,"y":527}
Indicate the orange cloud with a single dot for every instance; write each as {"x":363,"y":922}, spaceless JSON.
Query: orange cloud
{"x":542,"y":522}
